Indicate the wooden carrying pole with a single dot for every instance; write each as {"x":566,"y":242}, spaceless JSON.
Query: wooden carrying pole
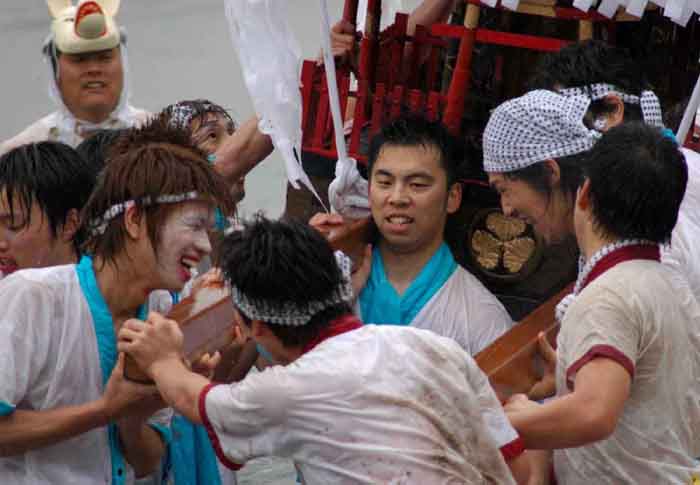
{"x":511,"y":362}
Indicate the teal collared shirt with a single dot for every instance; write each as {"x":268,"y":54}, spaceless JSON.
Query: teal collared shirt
{"x":107,"y":350}
{"x":381,"y":304}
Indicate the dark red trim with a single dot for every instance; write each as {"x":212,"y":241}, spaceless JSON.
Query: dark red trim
{"x":513,"y":449}
{"x":626,"y":253}
{"x":216,"y":444}
{"x":595,"y":352}
{"x":340,"y":325}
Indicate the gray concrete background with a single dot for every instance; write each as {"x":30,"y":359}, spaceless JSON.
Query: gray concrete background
{"x":178,"y":49}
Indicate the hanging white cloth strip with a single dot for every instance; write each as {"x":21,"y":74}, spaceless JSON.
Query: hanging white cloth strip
{"x":348,"y":193}
{"x":690,"y":113}
{"x":270,"y":59}
{"x":679,"y":11}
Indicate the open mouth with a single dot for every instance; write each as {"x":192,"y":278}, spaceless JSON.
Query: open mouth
{"x":399,"y":220}
{"x":94,"y":85}
{"x":188,"y":265}
{"x":7,"y":266}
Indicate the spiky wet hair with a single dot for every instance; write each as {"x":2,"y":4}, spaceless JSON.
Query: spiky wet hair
{"x":51,"y":174}
{"x":154,"y":160}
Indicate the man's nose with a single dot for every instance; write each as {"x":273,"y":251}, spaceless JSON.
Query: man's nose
{"x":508,"y":209}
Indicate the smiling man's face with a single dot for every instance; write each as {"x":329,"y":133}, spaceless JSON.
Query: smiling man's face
{"x":91,"y":83}
{"x":410,"y":199}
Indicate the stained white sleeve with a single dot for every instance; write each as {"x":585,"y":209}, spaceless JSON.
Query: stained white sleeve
{"x":243,"y":419}
{"x":497,"y":423}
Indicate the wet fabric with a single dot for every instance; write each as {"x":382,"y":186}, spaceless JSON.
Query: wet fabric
{"x":58,"y":348}
{"x":382,"y":304}
{"x":684,"y":250}
{"x":381,"y":404}
{"x":444,"y":298}
{"x":642,"y":315}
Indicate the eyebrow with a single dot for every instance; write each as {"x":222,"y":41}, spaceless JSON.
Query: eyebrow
{"x":411,"y":175}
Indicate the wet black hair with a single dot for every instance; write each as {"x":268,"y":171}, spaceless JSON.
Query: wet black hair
{"x":51,"y":174}
{"x":284,"y":261}
{"x":415,"y":130}
{"x":637,"y":180}
{"x":97,"y":147}
{"x":539,"y":177}
{"x":592,"y":62}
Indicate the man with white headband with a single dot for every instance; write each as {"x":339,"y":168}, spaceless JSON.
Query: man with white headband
{"x":86,"y":55}
{"x":67,"y":415}
{"x":628,"y":405}
{"x":615,"y":82}
{"x":349,"y":403}
{"x":534,"y":148}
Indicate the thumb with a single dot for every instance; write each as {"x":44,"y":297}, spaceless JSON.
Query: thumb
{"x":548,"y":353}
{"x":119,"y":366}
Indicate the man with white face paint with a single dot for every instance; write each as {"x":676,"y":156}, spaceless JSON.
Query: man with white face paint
{"x":86,"y":54}
{"x":147,"y":222}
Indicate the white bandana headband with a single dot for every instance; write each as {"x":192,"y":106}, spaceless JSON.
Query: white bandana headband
{"x":99,"y":225}
{"x":535,"y":127}
{"x":181,"y":114}
{"x":292,"y":313}
{"x":648,"y":101}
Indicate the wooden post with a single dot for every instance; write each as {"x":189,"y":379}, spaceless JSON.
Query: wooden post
{"x":461,"y":78}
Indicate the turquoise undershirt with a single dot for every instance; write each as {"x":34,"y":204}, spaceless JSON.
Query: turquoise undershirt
{"x":191,"y":457}
{"x":6,"y":408}
{"x":107,"y":349}
{"x":381,"y":304}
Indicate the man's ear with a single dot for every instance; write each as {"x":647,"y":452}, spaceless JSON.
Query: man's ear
{"x":617,"y":115}
{"x":70,"y":226}
{"x":583,"y":196}
{"x":134,"y":222}
{"x":454,"y":198}
{"x":554,"y":171}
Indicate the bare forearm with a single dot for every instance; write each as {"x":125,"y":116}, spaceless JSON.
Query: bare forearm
{"x":428,"y":13}
{"x":243,"y":151}
{"x":23,"y":431}
{"x":564,"y":422}
{"x":142,"y":446}
{"x":180,"y":387}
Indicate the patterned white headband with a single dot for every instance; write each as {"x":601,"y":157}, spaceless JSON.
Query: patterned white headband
{"x":181,"y":114}
{"x":292,"y":313}
{"x":538,"y":126}
{"x":648,"y":101}
{"x":99,"y":225}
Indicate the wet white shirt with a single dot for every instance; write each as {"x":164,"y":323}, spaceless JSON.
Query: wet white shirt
{"x":56,"y":347}
{"x":684,"y":251}
{"x":46,"y":129}
{"x":464,"y":310}
{"x":642,"y":315}
{"x":381,"y":404}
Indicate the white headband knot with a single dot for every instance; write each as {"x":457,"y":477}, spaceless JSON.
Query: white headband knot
{"x":292,"y":313}
{"x":648,"y":101}
{"x":538,"y":126}
{"x":99,"y":225}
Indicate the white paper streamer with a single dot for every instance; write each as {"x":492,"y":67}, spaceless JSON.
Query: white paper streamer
{"x":690,"y":113}
{"x":270,"y":58}
{"x":679,"y":11}
{"x":348,"y":193}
